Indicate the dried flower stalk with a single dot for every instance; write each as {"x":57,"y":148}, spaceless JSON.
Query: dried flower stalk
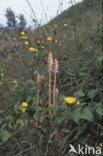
{"x":50,"y":68}
{"x":56,"y":101}
{"x":54,"y":89}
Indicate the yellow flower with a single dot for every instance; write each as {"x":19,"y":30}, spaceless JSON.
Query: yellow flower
{"x":22,"y":33}
{"x":33,"y":49}
{"x":6,"y":61}
{"x":24,"y":37}
{"x":42,"y":77}
{"x":23,"y":109}
{"x":43,"y":27}
{"x":1,"y":83}
{"x":14,"y":38}
{"x":2,"y":74}
{"x":34,"y":19}
{"x":60,"y":44}
{"x":26,"y":42}
{"x":2,"y":30}
{"x":56,"y":41}
{"x":49,"y":38}
{"x":78,"y":102}
{"x":56,"y":25}
{"x":24,"y":104}
{"x":42,"y":47}
{"x":70,"y":100}
{"x":65,"y":25}
{"x":14,"y":81}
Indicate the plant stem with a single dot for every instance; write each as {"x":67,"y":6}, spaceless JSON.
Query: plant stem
{"x":50,"y":97}
{"x":54,"y":93}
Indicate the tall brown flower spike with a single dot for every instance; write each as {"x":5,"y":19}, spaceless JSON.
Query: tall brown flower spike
{"x":50,"y":62}
{"x":50,"y":68}
{"x":37,"y":103}
{"x":56,"y":101}
{"x":56,"y":67}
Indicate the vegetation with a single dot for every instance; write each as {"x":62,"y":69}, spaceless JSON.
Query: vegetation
{"x":51,"y":83}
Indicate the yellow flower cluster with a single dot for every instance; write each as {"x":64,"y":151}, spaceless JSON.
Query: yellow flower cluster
{"x":65,"y":25}
{"x":26,"y":42}
{"x":71,"y":100}
{"x":49,"y":38}
{"x":42,"y":77}
{"x":24,"y":105}
{"x":24,"y":37}
{"x":34,"y":19}
{"x":56,"y":25}
{"x":22,"y":33}
{"x":33,"y":49}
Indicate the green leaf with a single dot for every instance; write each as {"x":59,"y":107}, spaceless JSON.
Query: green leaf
{"x":79,"y":93}
{"x":5,"y":135}
{"x":100,"y":58}
{"x":87,"y":114}
{"x":58,"y":120}
{"x":92,"y":93}
{"x":29,"y":98}
{"x":20,"y":122}
{"x":99,"y":111}
{"x":76,"y":115}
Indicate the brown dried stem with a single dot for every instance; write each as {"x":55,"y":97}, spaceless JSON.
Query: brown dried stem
{"x":54,"y":89}
{"x":56,"y":101}
{"x":50,"y":66}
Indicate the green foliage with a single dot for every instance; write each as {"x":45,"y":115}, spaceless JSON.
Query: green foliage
{"x":11,"y":18}
{"x":22,"y":23}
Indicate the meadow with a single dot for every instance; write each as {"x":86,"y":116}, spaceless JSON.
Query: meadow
{"x":51,"y":84}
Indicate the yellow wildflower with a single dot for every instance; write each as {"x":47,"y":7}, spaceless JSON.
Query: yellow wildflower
{"x":23,"y":109}
{"x":26,"y":42}
{"x":49,"y":38}
{"x":24,"y":104}
{"x":2,"y":30}
{"x":33,"y":49}
{"x":14,"y":38}
{"x":1,"y":83}
{"x":42,"y":47}
{"x":42,"y":77}
{"x":78,"y":102}
{"x":24,"y":37}
{"x":22,"y":33}
{"x":14,"y":81}
{"x":43,"y":27}
{"x":60,"y":44}
{"x":2,"y":74}
{"x":56,"y":25}
{"x":6,"y":61}
{"x":70,"y":100}
{"x":65,"y":25}
{"x":34,"y":19}
{"x":56,"y":41}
